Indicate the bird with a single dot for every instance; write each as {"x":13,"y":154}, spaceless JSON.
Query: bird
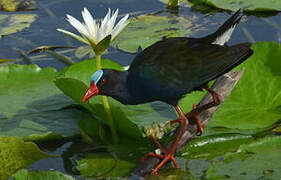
{"x":168,"y":70}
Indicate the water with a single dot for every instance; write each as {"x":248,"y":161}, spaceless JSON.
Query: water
{"x":51,"y":15}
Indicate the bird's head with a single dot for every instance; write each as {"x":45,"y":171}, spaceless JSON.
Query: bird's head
{"x":104,"y":82}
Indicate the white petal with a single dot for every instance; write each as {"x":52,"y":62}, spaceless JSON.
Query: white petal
{"x":99,"y":33}
{"x":119,"y":27}
{"x":106,"y":18}
{"x":74,"y":36}
{"x":112,"y":21}
{"x":77,"y":25}
{"x":89,"y":21}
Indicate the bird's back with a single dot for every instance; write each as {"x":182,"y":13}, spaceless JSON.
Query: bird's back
{"x":173,"y":67}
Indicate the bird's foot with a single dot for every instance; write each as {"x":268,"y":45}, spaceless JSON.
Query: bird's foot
{"x":163,"y":154}
{"x":165,"y":158}
{"x":169,"y":155}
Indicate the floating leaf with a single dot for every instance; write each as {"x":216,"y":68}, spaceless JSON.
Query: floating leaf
{"x":99,"y":165}
{"x":17,"y":5}
{"x":32,"y":105}
{"x":258,"y":160}
{"x":16,"y":154}
{"x":147,"y":29}
{"x":255,"y":101}
{"x":41,"y":175}
{"x":184,"y":3}
{"x":214,"y":145}
{"x":249,"y":5}
{"x":15,"y":22}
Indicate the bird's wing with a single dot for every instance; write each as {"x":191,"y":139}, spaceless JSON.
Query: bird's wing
{"x":184,"y":64}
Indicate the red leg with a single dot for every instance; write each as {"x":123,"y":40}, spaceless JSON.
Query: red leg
{"x":196,"y":117}
{"x":166,"y":156}
{"x":196,"y":111}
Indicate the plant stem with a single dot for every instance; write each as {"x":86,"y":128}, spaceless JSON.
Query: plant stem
{"x":107,"y":106}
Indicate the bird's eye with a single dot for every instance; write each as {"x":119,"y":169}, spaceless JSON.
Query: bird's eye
{"x":103,"y":81}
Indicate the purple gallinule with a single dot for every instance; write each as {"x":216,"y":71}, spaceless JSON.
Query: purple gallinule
{"x":169,"y":69}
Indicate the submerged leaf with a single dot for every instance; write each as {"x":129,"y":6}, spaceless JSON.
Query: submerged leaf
{"x":41,"y":49}
{"x":6,"y":60}
{"x":16,"y":154}
{"x":100,"y":165}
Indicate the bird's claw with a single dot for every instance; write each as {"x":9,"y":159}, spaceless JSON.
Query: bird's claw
{"x":165,"y":157}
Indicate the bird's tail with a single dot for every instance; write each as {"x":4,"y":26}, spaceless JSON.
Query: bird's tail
{"x":223,"y":34}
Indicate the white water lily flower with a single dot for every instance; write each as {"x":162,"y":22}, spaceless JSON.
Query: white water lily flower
{"x":93,"y":31}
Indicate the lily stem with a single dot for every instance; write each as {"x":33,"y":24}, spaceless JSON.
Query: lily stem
{"x":107,"y":106}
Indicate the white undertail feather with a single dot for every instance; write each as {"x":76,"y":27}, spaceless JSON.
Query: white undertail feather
{"x":224,"y":38}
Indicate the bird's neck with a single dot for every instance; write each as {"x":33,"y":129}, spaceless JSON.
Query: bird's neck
{"x":120,"y":91}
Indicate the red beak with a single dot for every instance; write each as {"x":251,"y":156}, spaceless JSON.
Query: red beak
{"x":92,"y":91}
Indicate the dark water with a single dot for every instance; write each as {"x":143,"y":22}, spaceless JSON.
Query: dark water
{"x":51,"y":15}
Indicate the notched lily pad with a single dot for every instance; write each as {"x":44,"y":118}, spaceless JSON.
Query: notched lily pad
{"x":16,"y":22}
{"x":248,"y":5}
{"x":258,"y":160}
{"x":16,"y":154}
{"x":147,"y":29}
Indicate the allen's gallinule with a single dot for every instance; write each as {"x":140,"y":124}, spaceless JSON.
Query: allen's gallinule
{"x":169,"y":69}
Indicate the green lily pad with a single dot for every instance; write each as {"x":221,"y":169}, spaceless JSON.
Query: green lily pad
{"x":16,"y":154}
{"x":249,"y":5}
{"x":258,"y":160}
{"x":32,"y":105}
{"x":147,"y":29}
{"x":76,"y":78}
{"x":15,"y":22}
{"x":41,"y":175}
{"x":255,"y":101}
{"x":215,"y":145}
{"x":119,"y":160}
{"x":17,"y":5}
{"x":99,"y":165}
